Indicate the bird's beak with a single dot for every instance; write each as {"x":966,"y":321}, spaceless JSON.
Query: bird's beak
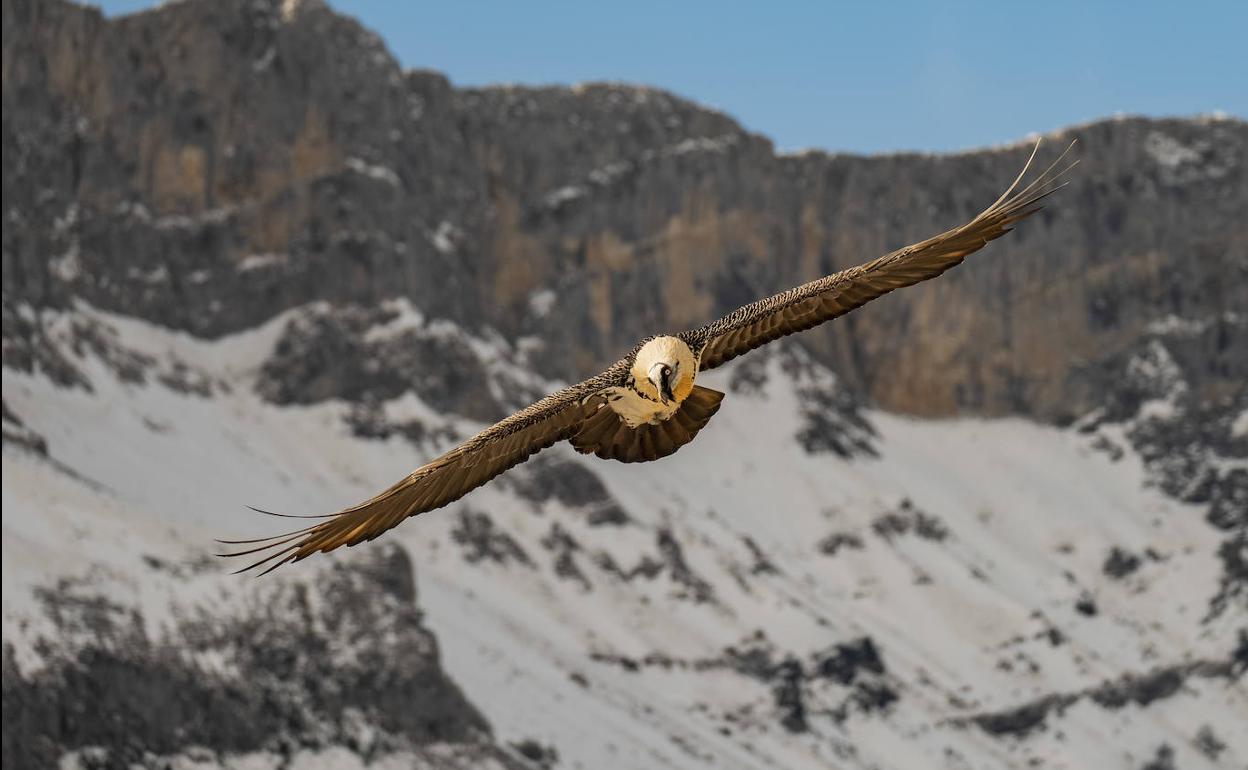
{"x":660,"y":375}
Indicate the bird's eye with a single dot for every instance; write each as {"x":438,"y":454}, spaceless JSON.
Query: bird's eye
{"x":667,"y":371}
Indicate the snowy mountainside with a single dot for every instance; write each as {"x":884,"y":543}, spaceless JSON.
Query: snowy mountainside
{"x":809,"y":584}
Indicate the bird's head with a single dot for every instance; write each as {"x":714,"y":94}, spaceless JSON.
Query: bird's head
{"x":664,"y":369}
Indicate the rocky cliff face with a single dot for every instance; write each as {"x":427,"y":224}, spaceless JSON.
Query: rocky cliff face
{"x":208,"y":165}
{"x":342,"y":660}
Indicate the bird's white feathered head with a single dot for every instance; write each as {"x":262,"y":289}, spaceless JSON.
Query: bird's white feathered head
{"x":664,"y":370}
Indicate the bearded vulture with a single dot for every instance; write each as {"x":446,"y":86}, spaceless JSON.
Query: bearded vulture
{"x":647,"y":405}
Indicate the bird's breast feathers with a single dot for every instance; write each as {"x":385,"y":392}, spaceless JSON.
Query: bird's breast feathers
{"x":635,"y":409}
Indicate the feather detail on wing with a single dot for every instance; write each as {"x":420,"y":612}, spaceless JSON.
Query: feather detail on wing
{"x":822,"y":300}
{"x":445,"y":479}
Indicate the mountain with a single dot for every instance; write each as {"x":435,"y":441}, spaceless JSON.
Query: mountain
{"x":209,"y":165}
{"x":997,"y":520}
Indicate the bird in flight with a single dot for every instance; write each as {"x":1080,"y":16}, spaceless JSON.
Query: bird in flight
{"x":647,"y":405}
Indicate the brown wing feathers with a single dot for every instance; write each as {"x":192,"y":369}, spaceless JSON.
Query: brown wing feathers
{"x":580,"y":413}
{"x":442,"y":480}
{"x":822,"y":300}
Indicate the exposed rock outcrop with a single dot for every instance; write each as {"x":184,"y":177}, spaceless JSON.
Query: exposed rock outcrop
{"x":344,"y":661}
{"x":207,"y":165}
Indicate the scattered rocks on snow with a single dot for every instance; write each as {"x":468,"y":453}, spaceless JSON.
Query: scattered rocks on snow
{"x":670,"y":559}
{"x":545,"y":757}
{"x":790,"y":701}
{"x":1120,"y":563}
{"x":58,"y":341}
{"x":1086,"y":605}
{"x":1233,"y":582}
{"x":1207,"y":742}
{"x":564,"y":547}
{"x":692,"y":585}
{"x":341,"y":660}
{"x":845,"y":661}
{"x":646,"y":567}
{"x":1162,"y":393}
{"x":907,"y":518}
{"x":549,"y":477}
{"x":357,"y":354}
{"x":29,"y":347}
{"x":480,"y":540}
{"x":368,"y":419}
{"x":848,"y":679}
{"x":1020,"y":721}
{"x":836,"y":541}
{"x":832,"y":416}
{"x":761,"y":564}
{"x":16,"y":432}
{"x":1162,"y":760}
{"x":1141,"y":690}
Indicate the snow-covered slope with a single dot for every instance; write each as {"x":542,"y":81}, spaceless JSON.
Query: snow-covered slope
{"x":809,"y":584}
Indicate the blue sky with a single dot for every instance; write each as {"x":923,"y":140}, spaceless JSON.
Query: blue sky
{"x":863,"y":77}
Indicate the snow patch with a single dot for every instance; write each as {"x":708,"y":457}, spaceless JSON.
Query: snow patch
{"x":1168,"y":151}
{"x":541,"y":301}
{"x":373,"y":171}
{"x":66,"y":267}
{"x":564,"y":195}
{"x":1239,"y":428}
{"x":261,"y":262}
{"x":406,"y":318}
{"x":265,"y":60}
{"x":200,"y":219}
{"x":158,"y":274}
{"x":709,"y":144}
{"x":610,"y":173}
{"x":445,"y":237}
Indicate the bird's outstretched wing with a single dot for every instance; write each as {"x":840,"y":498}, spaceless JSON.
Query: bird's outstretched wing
{"x":822,"y":300}
{"x":441,"y":481}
